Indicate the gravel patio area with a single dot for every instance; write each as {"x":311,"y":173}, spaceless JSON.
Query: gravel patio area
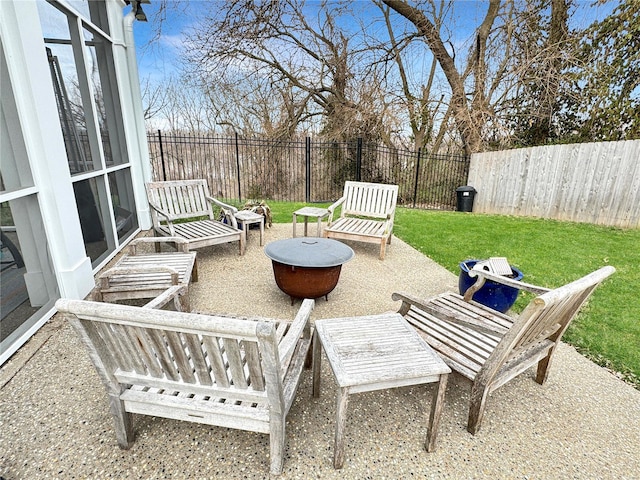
{"x":55,"y":422}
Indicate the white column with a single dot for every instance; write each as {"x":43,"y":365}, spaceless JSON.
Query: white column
{"x":126,"y":67}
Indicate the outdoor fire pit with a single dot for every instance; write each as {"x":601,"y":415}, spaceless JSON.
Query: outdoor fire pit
{"x":307,"y":267}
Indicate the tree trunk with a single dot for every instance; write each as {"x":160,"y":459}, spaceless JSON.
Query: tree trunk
{"x":468,"y":122}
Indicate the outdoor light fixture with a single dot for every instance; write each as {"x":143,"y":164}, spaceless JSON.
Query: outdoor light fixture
{"x":136,"y":7}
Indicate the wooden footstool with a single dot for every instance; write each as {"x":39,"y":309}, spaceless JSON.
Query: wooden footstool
{"x":373,"y":353}
{"x":147,"y":275}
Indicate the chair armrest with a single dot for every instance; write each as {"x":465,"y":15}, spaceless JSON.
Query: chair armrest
{"x":482,"y":274}
{"x":332,"y":208}
{"x":408,"y":300}
{"x":299,"y":328}
{"x":224,"y":206}
{"x":160,"y":211}
{"x":434,"y":308}
{"x":165,"y":216}
{"x":167,"y":296}
{"x":391,"y":212}
{"x":228,"y":211}
{"x":180,"y":243}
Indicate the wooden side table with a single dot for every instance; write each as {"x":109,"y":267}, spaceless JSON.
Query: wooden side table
{"x":306,"y":212}
{"x":246,"y":218}
{"x":376,"y":352}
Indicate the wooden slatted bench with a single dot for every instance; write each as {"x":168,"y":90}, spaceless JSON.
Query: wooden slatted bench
{"x":177,"y":208}
{"x":367,"y":214}
{"x":224,"y":371}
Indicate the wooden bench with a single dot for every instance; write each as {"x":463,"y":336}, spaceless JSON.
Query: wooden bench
{"x":224,"y":371}
{"x":367,"y":214}
{"x":491,"y":348}
{"x":178,"y":208}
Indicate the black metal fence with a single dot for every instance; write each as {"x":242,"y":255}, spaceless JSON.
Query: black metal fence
{"x":305,"y":170}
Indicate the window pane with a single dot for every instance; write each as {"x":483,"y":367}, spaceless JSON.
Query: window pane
{"x":91,"y":220}
{"x":70,"y":108}
{"x":15,"y":171}
{"x":27,"y":283}
{"x":106,"y":99}
{"x":124,"y":205}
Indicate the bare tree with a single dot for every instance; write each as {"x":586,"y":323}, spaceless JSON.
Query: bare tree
{"x":154,"y":98}
{"x":469,"y":111}
{"x":418,"y":99}
{"x":308,"y":60}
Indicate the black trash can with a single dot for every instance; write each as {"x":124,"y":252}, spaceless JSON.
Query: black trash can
{"x":465,"y":196}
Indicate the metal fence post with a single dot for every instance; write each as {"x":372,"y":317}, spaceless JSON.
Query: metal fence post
{"x":415,"y":185}
{"x":359,"y":160}
{"x":164,"y":172}
{"x":307,"y":162}
{"x":238,"y":167}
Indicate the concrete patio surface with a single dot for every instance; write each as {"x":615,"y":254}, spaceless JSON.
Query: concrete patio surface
{"x":584,"y":423}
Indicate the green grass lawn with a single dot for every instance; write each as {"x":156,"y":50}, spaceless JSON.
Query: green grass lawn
{"x":549,"y":253}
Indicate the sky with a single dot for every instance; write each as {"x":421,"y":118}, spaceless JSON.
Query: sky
{"x":159,"y":58}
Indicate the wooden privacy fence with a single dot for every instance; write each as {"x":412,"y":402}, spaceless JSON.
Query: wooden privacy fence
{"x":595,"y":183}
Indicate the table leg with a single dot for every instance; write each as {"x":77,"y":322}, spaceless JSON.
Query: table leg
{"x":437,"y":404}
{"x":306,"y":223}
{"x":245,"y":228}
{"x":341,"y":420}
{"x":319,"y":228}
{"x":262,"y":232}
{"x":295,"y":220}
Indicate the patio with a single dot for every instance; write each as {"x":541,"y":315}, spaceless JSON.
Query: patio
{"x":55,"y":422}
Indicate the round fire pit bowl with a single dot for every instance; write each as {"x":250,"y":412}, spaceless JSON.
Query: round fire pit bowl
{"x":307,"y":267}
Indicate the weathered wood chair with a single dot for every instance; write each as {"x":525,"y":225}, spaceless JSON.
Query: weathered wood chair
{"x":491,"y":348}
{"x":223,"y":371}
{"x":139,"y":274}
{"x":178,"y":208}
{"x":367,"y":214}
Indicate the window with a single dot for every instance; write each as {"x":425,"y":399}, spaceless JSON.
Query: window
{"x":83,"y":74}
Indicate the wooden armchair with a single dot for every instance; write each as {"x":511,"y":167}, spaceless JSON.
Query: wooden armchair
{"x":367,"y":214}
{"x":224,"y":371}
{"x":178,"y":208}
{"x":491,"y":348}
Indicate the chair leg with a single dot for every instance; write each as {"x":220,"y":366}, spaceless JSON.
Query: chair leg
{"x":276,"y":444}
{"x":194,"y":272}
{"x":123,"y":422}
{"x":316,"y":361}
{"x":383,"y":246}
{"x":242,"y":244}
{"x":477,"y":404}
{"x":543,"y":368}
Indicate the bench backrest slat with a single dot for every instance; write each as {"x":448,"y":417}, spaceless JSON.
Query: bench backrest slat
{"x":369,"y":199}
{"x":181,"y":198}
{"x":225,"y":355}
